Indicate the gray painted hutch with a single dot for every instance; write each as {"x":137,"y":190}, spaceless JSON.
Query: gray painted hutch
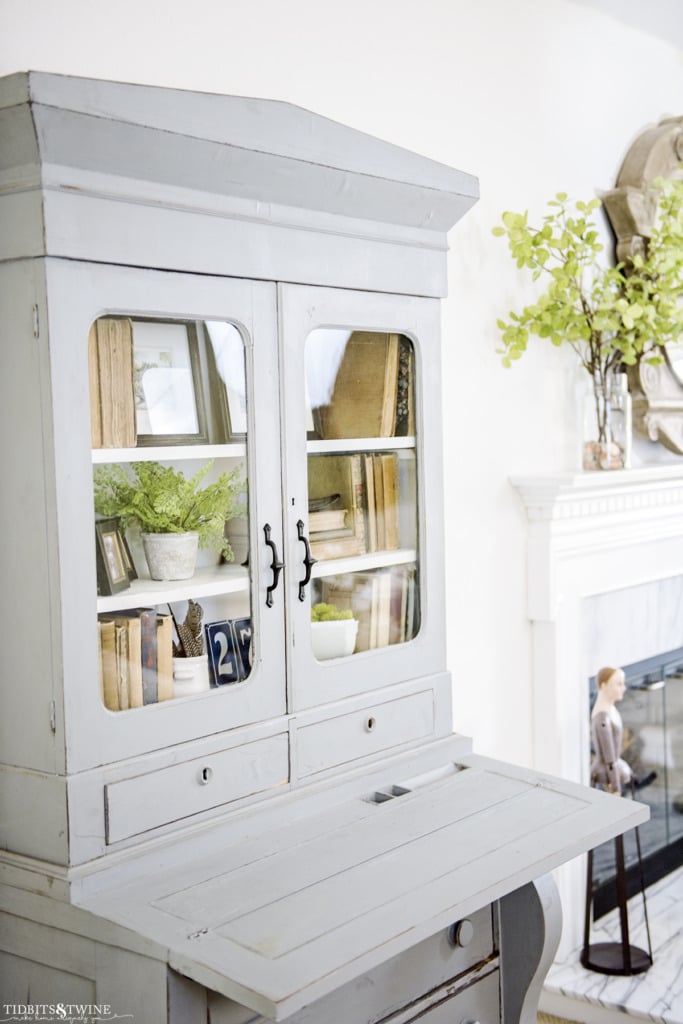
{"x":304,"y":838}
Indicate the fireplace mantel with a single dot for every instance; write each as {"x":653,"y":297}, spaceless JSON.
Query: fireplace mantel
{"x":589,"y":534}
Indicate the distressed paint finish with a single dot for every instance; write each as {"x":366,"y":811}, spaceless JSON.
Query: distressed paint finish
{"x":228,"y":860}
{"x":312,"y":903}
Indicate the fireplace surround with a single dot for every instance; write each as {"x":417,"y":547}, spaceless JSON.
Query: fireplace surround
{"x":605,"y":586}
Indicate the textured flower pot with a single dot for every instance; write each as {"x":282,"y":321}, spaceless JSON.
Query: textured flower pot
{"x":171,"y":556}
{"x":333,"y":639}
{"x":237,"y":532}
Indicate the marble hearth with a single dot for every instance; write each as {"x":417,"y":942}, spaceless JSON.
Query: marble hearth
{"x":605,"y":586}
{"x":655,"y":997}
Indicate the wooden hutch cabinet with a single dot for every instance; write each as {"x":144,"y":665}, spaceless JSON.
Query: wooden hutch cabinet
{"x":195,"y":282}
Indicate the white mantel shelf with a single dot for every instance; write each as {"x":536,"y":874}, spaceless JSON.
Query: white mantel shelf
{"x":591,"y":532}
{"x":579,"y":495}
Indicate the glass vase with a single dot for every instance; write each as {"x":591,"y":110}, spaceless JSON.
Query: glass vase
{"x":607,"y":423}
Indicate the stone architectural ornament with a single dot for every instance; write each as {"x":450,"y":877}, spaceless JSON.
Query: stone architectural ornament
{"x":657,"y":390}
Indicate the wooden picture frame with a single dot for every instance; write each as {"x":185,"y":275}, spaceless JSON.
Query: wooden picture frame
{"x":226,"y":366}
{"x":112,"y":558}
{"x":169,"y":397}
{"x":127,"y":556}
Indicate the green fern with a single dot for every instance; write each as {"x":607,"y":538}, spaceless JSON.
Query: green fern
{"x":160,"y":499}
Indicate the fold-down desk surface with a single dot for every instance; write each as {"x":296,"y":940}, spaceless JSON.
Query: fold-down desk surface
{"x":310,"y":892}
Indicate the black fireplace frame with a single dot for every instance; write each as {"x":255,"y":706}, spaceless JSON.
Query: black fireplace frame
{"x":658,"y":863}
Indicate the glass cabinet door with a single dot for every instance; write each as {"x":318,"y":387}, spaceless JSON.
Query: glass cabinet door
{"x":362,"y":490}
{"x":168,"y":406}
{"x":183,"y":521}
{"x":358,"y":491}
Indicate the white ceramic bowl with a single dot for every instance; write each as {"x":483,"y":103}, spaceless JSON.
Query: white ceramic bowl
{"x":334,"y":639}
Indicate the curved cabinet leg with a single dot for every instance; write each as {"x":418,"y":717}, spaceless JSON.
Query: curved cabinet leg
{"x":530,"y":926}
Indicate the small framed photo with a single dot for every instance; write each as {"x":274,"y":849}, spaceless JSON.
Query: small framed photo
{"x":127,"y":557}
{"x":112,"y":571}
{"x":224,"y":659}
{"x":169,"y":399}
{"x":226,"y":365}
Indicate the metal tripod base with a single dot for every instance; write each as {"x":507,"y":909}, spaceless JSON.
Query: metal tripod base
{"x":617,"y":957}
{"x":611,"y":958}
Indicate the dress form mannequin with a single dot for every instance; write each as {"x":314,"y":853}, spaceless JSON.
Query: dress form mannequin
{"x":611,"y":772}
{"x":608,"y":768}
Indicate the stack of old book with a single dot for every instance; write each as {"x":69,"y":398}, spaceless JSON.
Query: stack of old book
{"x":136,"y":658}
{"x":353,"y":504}
{"x":330,"y":537}
{"x":112,"y":391}
{"x":336,"y":506}
{"x":383,"y":601}
{"x":373,"y":389}
{"x":380,"y":476}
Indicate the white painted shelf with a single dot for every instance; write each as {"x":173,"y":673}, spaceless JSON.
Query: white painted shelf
{"x":164,"y":453}
{"x":360,"y":444}
{"x":363,"y":563}
{"x":227,"y":579}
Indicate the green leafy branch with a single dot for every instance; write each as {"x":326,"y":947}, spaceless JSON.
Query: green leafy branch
{"x":609,"y":315}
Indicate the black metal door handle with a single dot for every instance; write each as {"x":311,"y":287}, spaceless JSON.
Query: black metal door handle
{"x":276,"y":565}
{"x":309,"y":561}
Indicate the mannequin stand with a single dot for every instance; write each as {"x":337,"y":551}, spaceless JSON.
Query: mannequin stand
{"x":616,"y":957}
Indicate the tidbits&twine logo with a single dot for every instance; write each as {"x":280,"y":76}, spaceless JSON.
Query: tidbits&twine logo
{"x":72,"y":1013}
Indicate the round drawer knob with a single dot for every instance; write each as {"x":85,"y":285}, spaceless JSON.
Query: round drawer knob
{"x":462,"y":933}
{"x":370,"y":724}
{"x":205,"y":775}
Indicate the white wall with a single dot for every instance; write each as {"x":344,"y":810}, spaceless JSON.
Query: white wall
{"x":533,"y":96}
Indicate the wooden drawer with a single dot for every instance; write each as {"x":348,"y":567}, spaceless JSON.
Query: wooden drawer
{"x":411,"y":978}
{"x":364,"y":732}
{"x":477,"y":1002}
{"x":158,"y":798}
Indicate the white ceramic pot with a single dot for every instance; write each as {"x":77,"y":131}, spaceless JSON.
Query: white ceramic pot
{"x":334,"y":639}
{"x":190,"y":675}
{"x":171,"y":556}
{"x":237,"y":532}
